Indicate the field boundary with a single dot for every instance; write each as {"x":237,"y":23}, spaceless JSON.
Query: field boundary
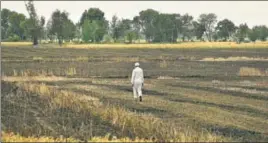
{"x":197,"y":45}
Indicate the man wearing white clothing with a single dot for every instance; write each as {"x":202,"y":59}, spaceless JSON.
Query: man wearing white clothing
{"x":137,"y":80}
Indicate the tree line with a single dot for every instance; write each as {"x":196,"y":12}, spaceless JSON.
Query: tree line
{"x":149,"y":25}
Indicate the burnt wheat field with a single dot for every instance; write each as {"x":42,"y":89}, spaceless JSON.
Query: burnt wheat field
{"x":190,"y":94}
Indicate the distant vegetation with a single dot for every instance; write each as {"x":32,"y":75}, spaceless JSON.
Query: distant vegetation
{"x":149,"y":25}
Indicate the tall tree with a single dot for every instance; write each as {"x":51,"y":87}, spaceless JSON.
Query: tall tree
{"x":258,"y":32}
{"x":165,"y":28}
{"x":137,"y":27}
{"x":263,"y":32}
{"x":49,"y":30}
{"x":147,"y":19}
{"x":96,"y":15}
{"x":209,"y":21}
{"x":253,"y":34}
{"x":16,"y":21}
{"x":242,"y":32}
{"x":92,"y":14}
{"x":83,"y":18}
{"x":198,"y":30}
{"x":5,"y":13}
{"x":61,"y":26}
{"x":69,"y":30}
{"x":86,"y":31}
{"x":215,"y":36}
{"x":131,"y":35}
{"x":42,"y":28}
{"x":89,"y":31}
{"x":13,"y":25}
{"x":58,"y":20}
{"x":34,"y":25}
{"x":126,"y":30}
{"x":115,"y":28}
{"x":225,"y":29}
{"x":186,"y":21}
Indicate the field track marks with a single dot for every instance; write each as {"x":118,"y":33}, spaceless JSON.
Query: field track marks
{"x":204,"y":113}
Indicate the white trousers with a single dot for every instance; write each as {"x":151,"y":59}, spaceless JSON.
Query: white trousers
{"x":137,"y":89}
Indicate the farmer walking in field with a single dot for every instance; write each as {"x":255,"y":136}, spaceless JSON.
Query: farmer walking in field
{"x":137,"y":80}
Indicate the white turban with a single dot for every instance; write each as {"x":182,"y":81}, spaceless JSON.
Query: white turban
{"x":137,"y":64}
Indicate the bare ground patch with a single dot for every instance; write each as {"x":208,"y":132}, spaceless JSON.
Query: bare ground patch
{"x":250,"y":71}
{"x":220,"y":59}
{"x":41,"y":78}
{"x":167,"y":77}
{"x":244,"y":90}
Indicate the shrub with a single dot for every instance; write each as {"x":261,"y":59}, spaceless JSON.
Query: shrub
{"x":14,"y":38}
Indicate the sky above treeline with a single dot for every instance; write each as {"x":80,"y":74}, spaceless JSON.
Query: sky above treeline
{"x":250,"y":12}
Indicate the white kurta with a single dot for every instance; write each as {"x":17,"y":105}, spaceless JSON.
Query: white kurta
{"x":137,"y":80}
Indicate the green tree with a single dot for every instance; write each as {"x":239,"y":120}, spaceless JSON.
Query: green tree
{"x":115,"y":28}
{"x":89,"y":31}
{"x":161,"y":27}
{"x":5,"y":13}
{"x":186,"y":24}
{"x":198,"y":30}
{"x":16,"y":28}
{"x":137,"y":27}
{"x":13,"y":25}
{"x":263,"y":32}
{"x":241,"y":32}
{"x":42,"y":23}
{"x":215,"y":36}
{"x":253,"y":34}
{"x":49,"y":30}
{"x":209,"y":21}
{"x":86,"y":31}
{"x":33,"y":24}
{"x":165,"y":28}
{"x":147,"y":20}
{"x":97,"y":16}
{"x":225,"y":29}
{"x":61,"y":26}
{"x":126,"y":30}
{"x":94,"y":31}
{"x":131,"y":35}
{"x":58,"y":19}
{"x":92,"y":14}
{"x":69,"y":30}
